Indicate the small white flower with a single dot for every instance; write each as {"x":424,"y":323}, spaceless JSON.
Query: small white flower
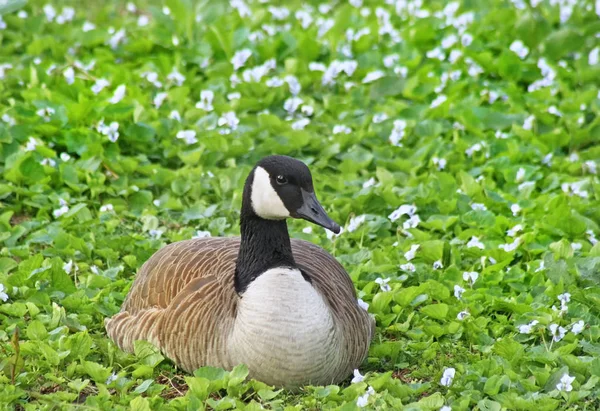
{"x":474,"y":148}
{"x":554,"y":111}
{"x":519,"y":49}
{"x":202,"y":234}
{"x":372,"y":76}
{"x":466,"y":39}
{"x":547,"y":160}
{"x":143,"y":21}
{"x":404,"y":209}
{"x":358,"y":377}
{"x":3,"y":295}
{"x":470,"y":276}
{"x":152,"y":77}
{"x":68,"y":266}
{"x":564,"y":298}
{"x":229,"y":119}
{"x":515,"y":208}
{"x":300,"y":124}
{"x":241,"y":7}
{"x":438,"y":101}
{"x":383,"y":284}
{"x":341,"y":129}
{"x":32,"y":143}
{"x":174,"y":115}
{"x":363,"y":400}
{"x":159,"y":99}
{"x":447,"y":377}
{"x":234,"y":96}
{"x":412,"y":222}
{"x":206,"y":99}
{"x":478,"y":207}
{"x":118,"y":95}
{"x":111,"y":131}
{"x":22,"y":14}
{"x":240,"y":57}
{"x":355,"y":222}
{"x":379,"y":118}
{"x":512,"y":232}
{"x":291,"y":104}
{"x":511,"y":246}
{"x":9,"y":120}
{"x":458,"y":291}
{"x":363,"y":305}
{"x":176,"y":77}
{"x":65,"y":157}
{"x":520,"y":175}
{"x":594,"y":56}
{"x":307,"y":110}
{"x":50,"y":12}
{"x":590,"y":166}
{"x":439,"y":162}
{"x":69,"y":75}
{"x":117,"y":38}
{"x":475,"y":243}
{"x":293,"y":84}
{"x":307,"y":230}
{"x":189,"y":136}
{"x":528,"y":328}
{"x":410,"y":254}
{"x":398,"y":132}
{"x":462,"y":315}
{"x":304,"y":18}
{"x":369,"y":183}
{"x":48,"y":162}
{"x":565,"y":383}
{"x":445,"y":408}
{"x":410,"y":267}
{"x":557,"y":332}
{"x":131,"y":7}
{"x":45,"y":113}
{"x":99,"y":85}
{"x":578,"y":327}
{"x":437,"y":265}
{"x":155,"y":233}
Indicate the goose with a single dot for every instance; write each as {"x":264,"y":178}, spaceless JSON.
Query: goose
{"x":285,"y":308}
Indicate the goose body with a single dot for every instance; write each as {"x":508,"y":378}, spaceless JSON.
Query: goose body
{"x":285,"y":308}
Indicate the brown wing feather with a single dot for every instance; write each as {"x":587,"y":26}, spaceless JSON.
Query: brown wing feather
{"x":183,"y":300}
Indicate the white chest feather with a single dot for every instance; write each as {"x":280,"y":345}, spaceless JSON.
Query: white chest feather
{"x":284,"y":330}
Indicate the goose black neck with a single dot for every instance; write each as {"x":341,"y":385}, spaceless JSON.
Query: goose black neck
{"x":265,"y":244}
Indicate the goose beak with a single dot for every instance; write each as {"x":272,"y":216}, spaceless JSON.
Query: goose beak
{"x":313,"y":211}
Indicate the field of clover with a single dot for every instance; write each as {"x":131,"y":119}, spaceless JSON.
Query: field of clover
{"x":458,"y":143}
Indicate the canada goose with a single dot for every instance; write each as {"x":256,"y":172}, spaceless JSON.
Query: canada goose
{"x":286,"y":309}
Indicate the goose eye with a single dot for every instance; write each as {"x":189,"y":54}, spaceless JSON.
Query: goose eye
{"x":281,"y":180}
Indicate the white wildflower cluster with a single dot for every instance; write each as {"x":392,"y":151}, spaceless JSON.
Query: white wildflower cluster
{"x":409,"y":210}
{"x":355,"y":222}
{"x":363,"y":400}
{"x":336,"y":67}
{"x":548,"y":76}
{"x":111,"y":130}
{"x":575,"y":188}
{"x":470,"y":277}
{"x":474,"y":242}
{"x":398,"y":132}
{"x":188,"y":136}
{"x":383,"y":284}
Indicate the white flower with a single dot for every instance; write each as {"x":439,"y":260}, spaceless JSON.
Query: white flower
{"x":152,"y":77}
{"x":445,"y":408}
{"x":307,"y":230}
{"x":565,"y":383}
{"x":46,"y":113}
{"x":175,"y":40}
{"x":478,"y":207}
{"x":202,"y":234}
{"x":155,"y":233}
{"x":554,"y":111}
{"x":594,"y":56}
{"x":462,"y":315}
{"x":48,"y":162}
{"x":363,"y":400}
{"x":65,"y":157}
{"x":437,"y":265}
{"x":512,"y":246}
{"x":519,"y":49}
{"x":307,"y":110}
{"x":293,"y":84}
{"x":106,"y":208}
{"x":189,"y":136}
{"x":410,"y":254}
{"x":304,"y":18}
{"x":355,"y":222}
{"x":369,"y":183}
{"x":458,"y":291}
{"x":449,"y":41}
{"x":564,"y":298}
{"x":379,"y":118}
{"x":358,"y":377}
{"x":50,"y":12}
{"x":383,"y":284}
{"x":372,"y":76}
{"x":240,"y":57}
{"x":412,"y":222}
{"x":398,"y":132}
{"x":438,"y":101}
{"x":206,"y":99}
{"x":229,"y":119}
{"x":143,"y":21}
{"x":447,"y":377}
{"x":466,"y":39}
{"x":590,"y":167}
{"x":520,"y":175}
{"x":557,"y":332}
{"x":159,"y":99}
{"x":515,"y":208}
{"x":274,"y":82}
{"x":22,"y":14}
{"x":118,"y":95}
{"x":474,"y":148}
{"x":68,"y":266}
{"x":69,"y":75}
{"x":407,"y":209}
{"x":439,"y":162}
{"x":32,"y":143}
{"x":111,"y":131}
{"x":300,"y":124}
{"x":316,"y":66}
{"x":330,"y":234}
{"x":9,"y":120}
{"x":234,"y":96}
{"x":475,"y":243}
{"x":3,"y":295}
{"x":117,"y":38}
{"x":576,"y":246}
{"x":527,"y":328}
{"x":176,"y":77}
{"x":578,"y":327}
{"x":470,"y":276}
{"x":241,"y":7}
{"x":99,"y":85}
{"x":454,"y":56}
{"x":363,"y":305}
{"x":291,"y":104}
{"x":410,"y":267}
{"x":513,"y":231}
{"x":341,"y":129}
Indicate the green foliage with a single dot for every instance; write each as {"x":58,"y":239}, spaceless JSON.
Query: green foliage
{"x":456,"y":142}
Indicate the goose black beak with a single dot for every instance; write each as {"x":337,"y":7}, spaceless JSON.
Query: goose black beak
{"x":313,"y":211}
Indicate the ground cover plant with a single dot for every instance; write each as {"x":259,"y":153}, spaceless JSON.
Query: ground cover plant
{"x":457,"y":142}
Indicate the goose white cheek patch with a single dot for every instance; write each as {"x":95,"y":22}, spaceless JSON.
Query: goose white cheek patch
{"x":265,"y":200}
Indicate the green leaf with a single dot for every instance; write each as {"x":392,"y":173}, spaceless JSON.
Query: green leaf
{"x":147,"y":353}
{"x":436,"y":311}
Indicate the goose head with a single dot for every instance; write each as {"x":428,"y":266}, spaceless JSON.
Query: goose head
{"x":281,"y":187}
